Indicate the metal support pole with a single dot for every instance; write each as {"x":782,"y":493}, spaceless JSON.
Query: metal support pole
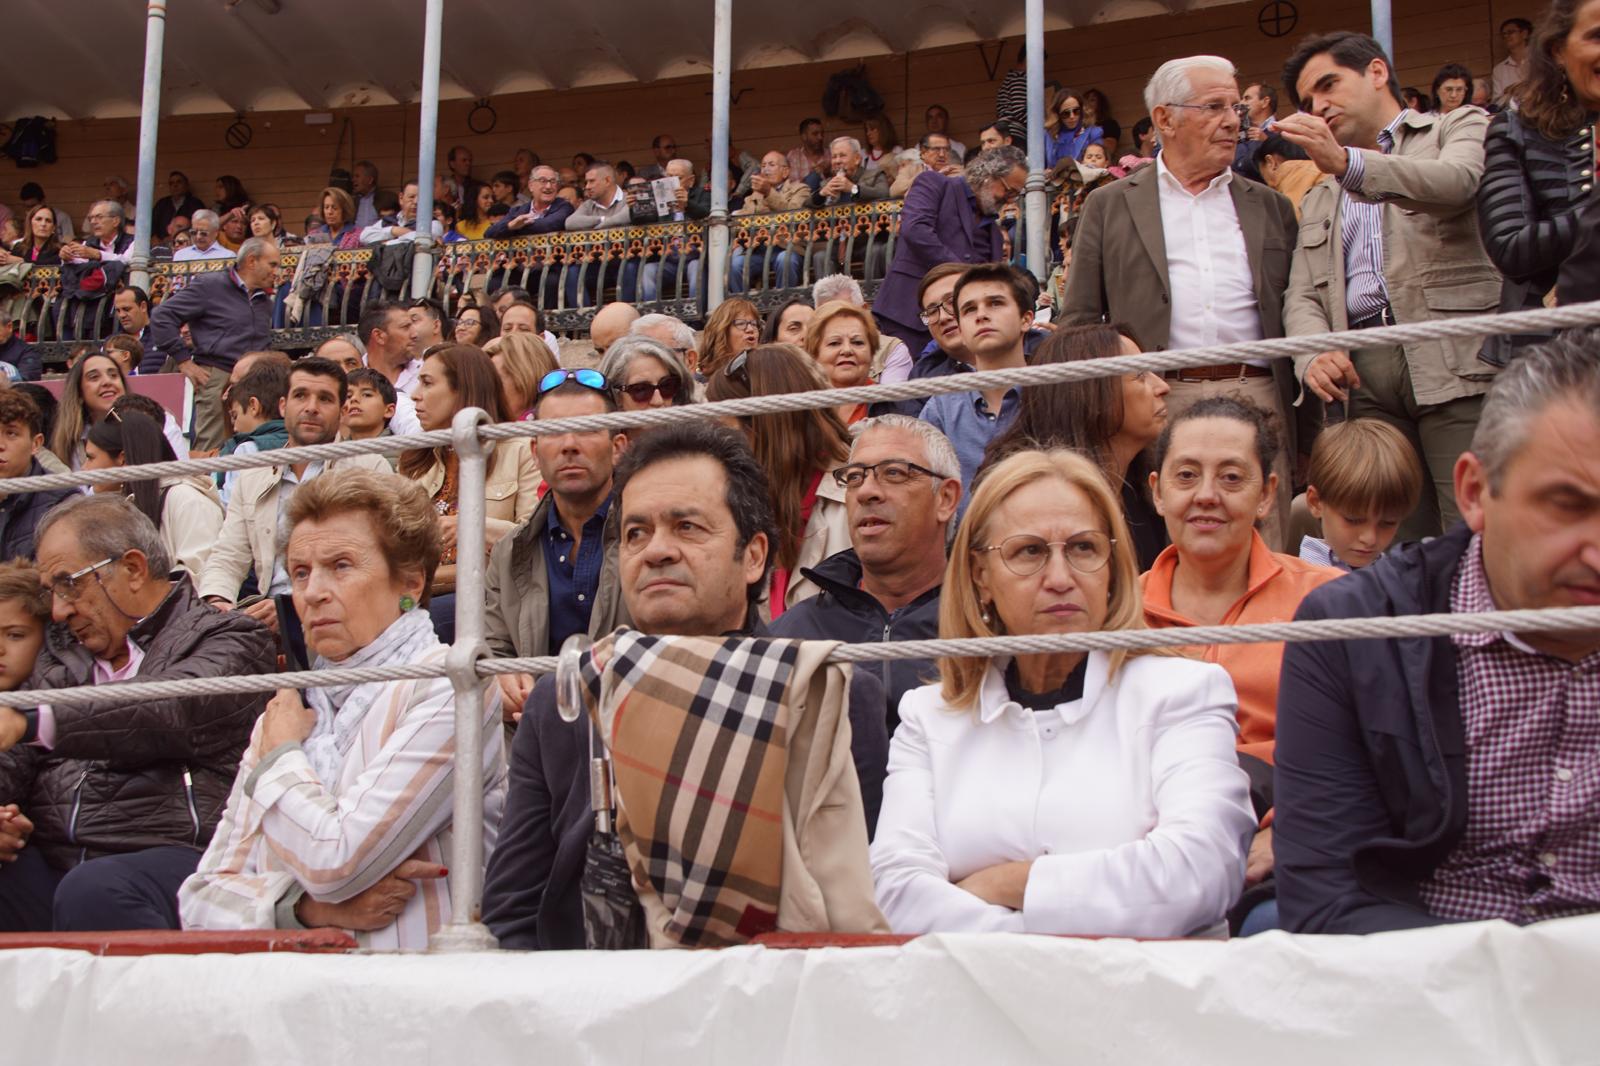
{"x":721,"y":89}
{"x":466,"y":931}
{"x":1036,"y":213}
{"x":1383,"y":28}
{"x":155,"y":35}
{"x":427,"y":148}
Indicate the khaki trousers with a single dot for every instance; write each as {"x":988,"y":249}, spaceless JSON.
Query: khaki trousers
{"x":210,"y":427}
{"x":1263,"y":392}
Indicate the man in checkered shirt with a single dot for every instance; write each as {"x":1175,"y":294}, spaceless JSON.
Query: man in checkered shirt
{"x":1429,"y":780}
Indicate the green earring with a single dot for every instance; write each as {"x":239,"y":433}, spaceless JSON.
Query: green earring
{"x":407,"y":603}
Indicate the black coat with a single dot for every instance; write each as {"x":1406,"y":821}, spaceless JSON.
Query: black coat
{"x":1371,"y":776}
{"x":22,"y":355}
{"x":148,"y":773}
{"x":843,"y":611}
{"x":20,"y":514}
{"x":531,"y":894}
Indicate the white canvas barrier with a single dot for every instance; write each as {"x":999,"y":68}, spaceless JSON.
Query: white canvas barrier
{"x":1485,"y":993}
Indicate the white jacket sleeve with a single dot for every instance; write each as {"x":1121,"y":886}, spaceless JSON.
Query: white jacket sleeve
{"x":909,"y":871}
{"x":1187,"y":871}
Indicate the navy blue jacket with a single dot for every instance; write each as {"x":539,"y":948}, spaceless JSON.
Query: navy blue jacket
{"x":1371,"y":777}
{"x":531,"y":896}
{"x":844,"y":611}
{"x":224,"y":321}
{"x":552,"y":221}
{"x":20,"y":514}
{"x":22,"y":355}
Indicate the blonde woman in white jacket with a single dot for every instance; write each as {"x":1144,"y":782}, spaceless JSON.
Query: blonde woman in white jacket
{"x":1092,"y":794}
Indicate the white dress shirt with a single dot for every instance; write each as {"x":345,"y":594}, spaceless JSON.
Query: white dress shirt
{"x":1130,"y":803}
{"x":217,"y":251}
{"x":1208,"y":264}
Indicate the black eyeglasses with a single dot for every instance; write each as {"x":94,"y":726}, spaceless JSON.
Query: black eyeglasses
{"x":589,"y":379}
{"x":933,"y":311}
{"x":888,"y":472}
{"x":641,"y":391}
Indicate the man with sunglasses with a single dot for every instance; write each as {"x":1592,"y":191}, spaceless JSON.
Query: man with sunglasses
{"x":556,"y":574}
{"x":901,"y":495}
{"x":108,"y":808}
{"x":1191,"y":254}
{"x":946,"y":219}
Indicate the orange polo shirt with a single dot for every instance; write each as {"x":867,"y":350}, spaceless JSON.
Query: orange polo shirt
{"x":1277,"y":584}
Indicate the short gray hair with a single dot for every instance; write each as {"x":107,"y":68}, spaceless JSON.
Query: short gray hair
{"x":113,"y":207}
{"x":832,"y":287}
{"x":1172,"y":84}
{"x":253,"y":247}
{"x":1563,"y":369}
{"x":940,"y":453}
{"x":108,"y":526}
{"x":205,"y":215}
{"x":693,"y":174}
{"x":614,"y":364}
{"x":995,"y":164}
{"x":855,"y":145}
{"x":349,"y":338}
{"x":682,"y":335}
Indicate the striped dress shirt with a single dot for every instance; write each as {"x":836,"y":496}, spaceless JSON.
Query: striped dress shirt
{"x":1365,"y":293}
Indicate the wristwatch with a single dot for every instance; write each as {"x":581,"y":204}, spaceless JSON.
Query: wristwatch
{"x":30,"y":728}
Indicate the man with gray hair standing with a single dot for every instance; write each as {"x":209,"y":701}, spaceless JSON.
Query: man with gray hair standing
{"x":228,"y":313}
{"x":673,"y":332}
{"x":1191,"y":254}
{"x":946,"y":219}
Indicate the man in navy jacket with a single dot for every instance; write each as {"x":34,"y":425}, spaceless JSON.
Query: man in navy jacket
{"x":545,"y":212}
{"x":1432,"y":779}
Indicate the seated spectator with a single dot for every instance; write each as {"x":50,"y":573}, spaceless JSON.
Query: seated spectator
{"x":1146,"y":140}
{"x":891,"y":358}
{"x":1424,"y":780}
{"x":695,"y":523}
{"x":475,"y":325}
{"x":92,"y":385}
{"x":643,"y":374}
{"x":570,"y":194}
{"x":339,"y":218}
{"x":363,"y":192}
{"x":265,"y":220}
{"x":503,"y":187}
{"x":841,"y":338}
{"x":459,"y":160}
{"x":882,"y":147}
{"x":340,"y":813}
{"x":48,"y":405}
{"x":1363,"y":480}
{"x":115,"y":802}
{"x":522,"y":164}
{"x":673,"y":333}
{"x":987,"y":820}
{"x":901,"y":495}
{"x":936,"y":120}
{"x":850,"y":181}
{"x":1451,"y":87}
{"x":255,"y":410}
{"x":107,"y":243}
{"x":186,"y":510}
{"x":402,"y":226}
{"x":1111,"y":420}
{"x":774,"y":188}
{"x":1096,"y":156}
{"x":663,"y":147}
{"x":368,"y":406}
{"x":230,"y":194}
{"x":1286,"y":168}
{"x":556,"y":574}
{"x":40,"y":243}
{"x":452,"y":380}
{"x":235,"y":229}
{"x":472,"y":220}
{"x":521,"y":361}
{"x":249,"y":539}
{"x":609,"y":324}
{"x":21,"y":441}
{"x":933,"y":155}
{"x":798,"y":450}
{"x":125,"y":351}
{"x":604,"y":204}
{"x":204,"y":229}
{"x":17,"y":354}
{"x":787,"y":325}
{"x":179,"y":202}
{"x":810,"y":156}
{"x":545,"y":212}
{"x":1067,"y":135}
{"x":345,"y":350}
{"x":730,"y":331}
{"x":24,"y":618}
{"x":521,"y":316}
{"x":32,"y":196}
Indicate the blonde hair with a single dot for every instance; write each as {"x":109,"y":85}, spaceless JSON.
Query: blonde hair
{"x":402,"y":515}
{"x":524,"y":359}
{"x":832,"y":310}
{"x":1365,"y":464}
{"x":960,"y":614}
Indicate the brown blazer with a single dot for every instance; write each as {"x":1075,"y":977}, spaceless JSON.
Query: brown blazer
{"x":1119,"y":263}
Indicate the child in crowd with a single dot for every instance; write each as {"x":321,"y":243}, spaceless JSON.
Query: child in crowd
{"x":368,"y":406}
{"x":24,"y":614}
{"x":1364,"y":480}
{"x":1095,"y":156}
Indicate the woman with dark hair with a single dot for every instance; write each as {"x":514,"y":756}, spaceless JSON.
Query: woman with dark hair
{"x":1069,"y":133}
{"x":880,"y":152}
{"x":187,"y":510}
{"x":787,"y":325}
{"x":1112,"y":420}
{"x":1097,"y":112}
{"x":230,"y":194}
{"x":1452,"y":87}
{"x":476,"y":325}
{"x":1539,"y":164}
{"x":797,"y":449}
{"x":732,"y":329}
{"x":39,"y":244}
{"x":265,"y":220}
{"x":472,"y":218}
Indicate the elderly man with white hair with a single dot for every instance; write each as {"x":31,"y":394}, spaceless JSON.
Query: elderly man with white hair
{"x":1216,"y":269}
{"x":106,"y":243}
{"x":204,"y":226}
{"x":851,"y":182}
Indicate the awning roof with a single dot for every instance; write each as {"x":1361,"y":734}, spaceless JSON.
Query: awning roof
{"x":85,"y":58}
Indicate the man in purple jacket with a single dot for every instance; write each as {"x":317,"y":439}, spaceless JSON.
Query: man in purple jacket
{"x":946,"y":220}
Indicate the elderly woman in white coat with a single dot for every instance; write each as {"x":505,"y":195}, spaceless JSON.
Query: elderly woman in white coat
{"x":1091,"y":794}
{"x":341,"y":812}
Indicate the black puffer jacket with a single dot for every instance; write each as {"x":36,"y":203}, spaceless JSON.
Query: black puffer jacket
{"x":123,"y":777}
{"x":1527,"y":212}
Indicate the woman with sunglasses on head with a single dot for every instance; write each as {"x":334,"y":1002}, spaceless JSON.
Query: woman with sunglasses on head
{"x":93,"y":384}
{"x":643,"y":373}
{"x":450,"y":381}
{"x":1088,"y":794}
{"x":799,"y":450}
{"x":732,"y":329}
{"x":1069,"y":135}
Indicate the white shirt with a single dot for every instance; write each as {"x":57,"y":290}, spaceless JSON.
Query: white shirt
{"x":1507,"y":74}
{"x":380,"y":232}
{"x":1130,"y":802}
{"x":404,"y":421}
{"x":216,"y":251}
{"x":1208,"y":264}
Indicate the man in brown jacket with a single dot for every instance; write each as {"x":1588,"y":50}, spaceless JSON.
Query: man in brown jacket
{"x":1390,"y":235}
{"x":773,"y":188}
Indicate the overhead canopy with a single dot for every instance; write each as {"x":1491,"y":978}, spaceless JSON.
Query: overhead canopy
{"x":84,"y":58}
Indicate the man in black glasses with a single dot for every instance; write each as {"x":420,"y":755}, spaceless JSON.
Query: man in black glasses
{"x":109,"y":807}
{"x":901,"y":493}
{"x":556,"y":574}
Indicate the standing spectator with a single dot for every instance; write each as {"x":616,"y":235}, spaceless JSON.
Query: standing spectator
{"x":731,"y":330}
{"x":339,"y":226}
{"x":179,"y":201}
{"x":1011,"y":98}
{"x":545,"y":212}
{"x":1426,"y":780}
{"x":39,"y":243}
{"x":1452,"y":88}
{"x":1512,"y":71}
{"x":1538,"y":169}
{"x":230,"y":194}
{"x":663,"y":147}
{"x":946,"y":219}
{"x":122,"y":796}
{"x":390,"y":337}
{"x":363,"y":190}
{"x":1213,"y":272}
{"x":936,"y":120}
{"x":850,"y":182}
{"x":522,"y":164}
{"x":228,"y":313}
{"x":1001,"y":134}
{"x":32,"y":195}
{"x":1384,"y":268}
{"x":204,"y":229}
{"x":18,"y":354}
{"x":1068,"y":135}
{"x":1261,"y":100}
{"x":131,"y":305}
{"x":457,"y":184}
{"x":797,"y":449}
{"x":810,"y":156}
{"x":21,"y":440}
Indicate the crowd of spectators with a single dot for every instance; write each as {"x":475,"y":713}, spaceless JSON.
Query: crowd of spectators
{"x":1341,"y":786}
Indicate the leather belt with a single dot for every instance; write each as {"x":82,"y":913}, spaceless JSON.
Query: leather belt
{"x":1384,"y":317}
{"x":1225,"y":372}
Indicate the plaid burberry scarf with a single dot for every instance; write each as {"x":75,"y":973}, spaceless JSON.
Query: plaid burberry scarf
{"x":698,"y":731}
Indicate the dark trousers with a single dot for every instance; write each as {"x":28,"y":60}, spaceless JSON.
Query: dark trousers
{"x":916,"y":339}
{"x":138,"y":890}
